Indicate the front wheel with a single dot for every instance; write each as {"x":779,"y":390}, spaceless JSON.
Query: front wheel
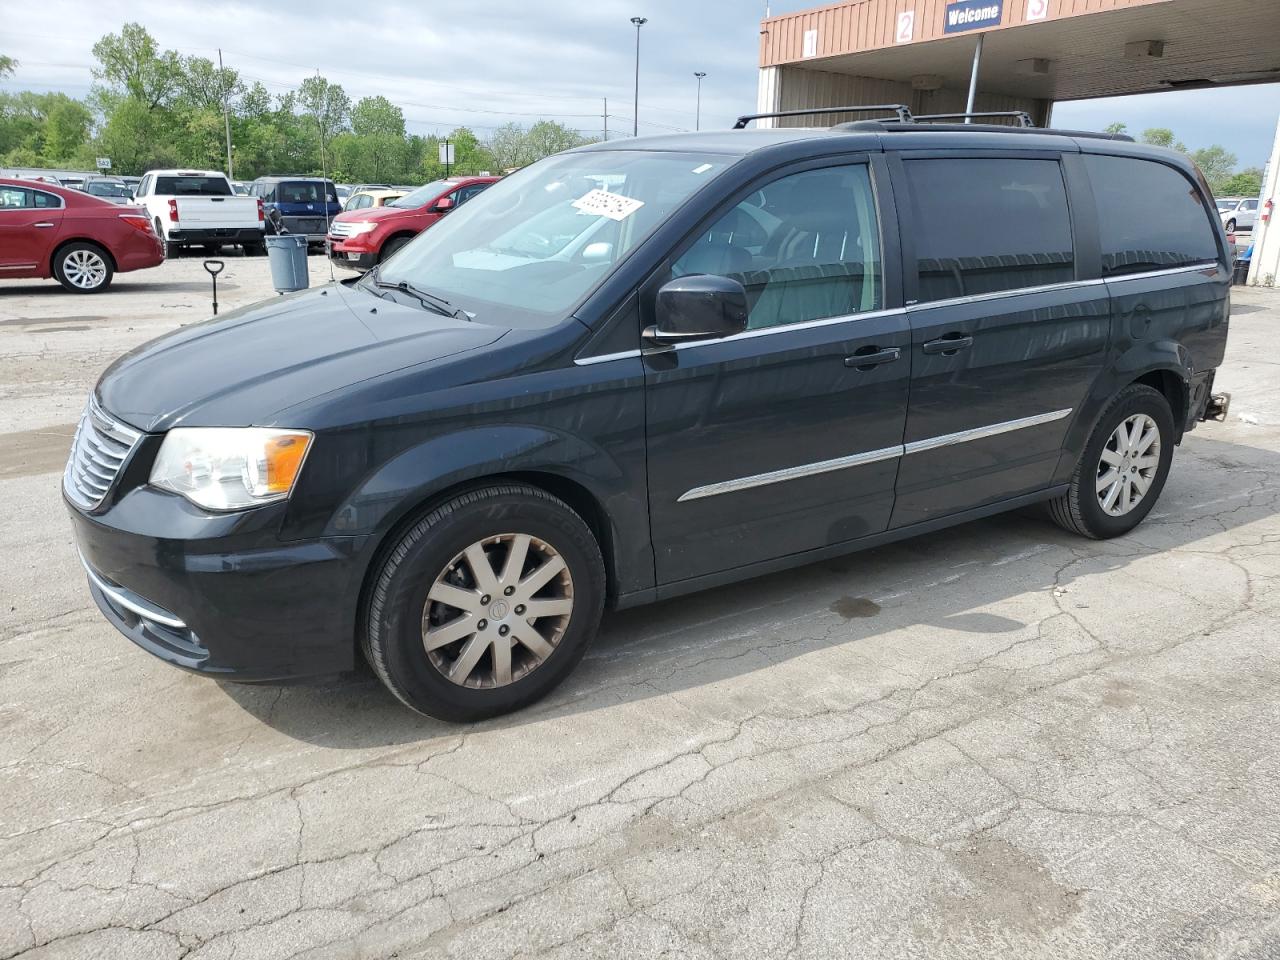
{"x":1123,"y":468}
{"x":485,"y":604}
{"x":391,"y":247}
{"x":1231,"y":225}
{"x":83,"y":268}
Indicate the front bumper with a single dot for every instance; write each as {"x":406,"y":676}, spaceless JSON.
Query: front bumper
{"x":222,"y":595}
{"x":353,"y":258}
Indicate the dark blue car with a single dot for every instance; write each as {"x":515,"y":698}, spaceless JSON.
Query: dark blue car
{"x":305,"y":204}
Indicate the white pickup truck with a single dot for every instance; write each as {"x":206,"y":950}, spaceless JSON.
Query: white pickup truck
{"x":199,"y":208}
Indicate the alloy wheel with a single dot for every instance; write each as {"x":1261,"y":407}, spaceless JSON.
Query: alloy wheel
{"x":84,"y":269}
{"x":497,"y":611}
{"x":1128,"y":464}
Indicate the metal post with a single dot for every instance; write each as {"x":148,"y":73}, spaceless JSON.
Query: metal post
{"x":697,"y":121}
{"x":635,"y":109}
{"x":606,"y":119}
{"x":226,"y":119}
{"x":973,"y":79}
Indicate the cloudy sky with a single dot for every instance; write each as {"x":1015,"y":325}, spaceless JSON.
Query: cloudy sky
{"x":521,"y":60}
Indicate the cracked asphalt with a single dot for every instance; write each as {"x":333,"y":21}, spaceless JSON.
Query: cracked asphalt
{"x":1000,"y":741}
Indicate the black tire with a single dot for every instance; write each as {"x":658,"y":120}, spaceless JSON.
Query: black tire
{"x":392,"y":638}
{"x":391,"y":247}
{"x":255,"y":249}
{"x":171,"y":250}
{"x":1079,"y":510}
{"x":83,"y":267}
{"x":1231,"y":225}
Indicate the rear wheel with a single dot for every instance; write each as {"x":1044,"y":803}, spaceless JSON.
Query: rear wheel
{"x":1231,"y":225}
{"x":83,"y":268}
{"x":1123,"y":468}
{"x":485,"y":604}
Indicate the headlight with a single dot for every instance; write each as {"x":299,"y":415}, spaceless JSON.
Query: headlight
{"x":362,"y":226}
{"x":227,"y":468}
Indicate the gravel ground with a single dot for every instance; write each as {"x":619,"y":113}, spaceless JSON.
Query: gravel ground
{"x":1001,"y":741}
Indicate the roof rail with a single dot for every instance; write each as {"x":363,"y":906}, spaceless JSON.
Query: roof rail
{"x":901,"y":109}
{"x":1023,"y":118}
{"x":893,"y":126}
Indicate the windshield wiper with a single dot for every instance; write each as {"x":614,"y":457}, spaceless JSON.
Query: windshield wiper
{"x":431,"y":301}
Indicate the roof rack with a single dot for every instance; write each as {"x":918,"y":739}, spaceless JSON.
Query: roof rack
{"x":901,"y":109}
{"x":1023,"y":118}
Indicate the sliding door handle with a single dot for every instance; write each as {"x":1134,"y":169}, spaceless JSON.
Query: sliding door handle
{"x":872,"y":358}
{"x":949,"y":345}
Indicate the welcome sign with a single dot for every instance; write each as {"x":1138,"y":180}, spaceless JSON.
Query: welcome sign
{"x":972,"y":15}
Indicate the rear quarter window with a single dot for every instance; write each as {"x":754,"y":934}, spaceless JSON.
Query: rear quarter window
{"x":1150,"y":216}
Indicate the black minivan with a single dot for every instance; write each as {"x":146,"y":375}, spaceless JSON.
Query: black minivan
{"x":643,"y":368}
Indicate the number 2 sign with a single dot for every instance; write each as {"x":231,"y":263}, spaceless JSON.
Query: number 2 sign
{"x":1037,"y":9}
{"x":907,"y":26}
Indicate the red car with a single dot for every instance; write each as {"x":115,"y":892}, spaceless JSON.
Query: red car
{"x":83,"y":241}
{"x":361,"y":238}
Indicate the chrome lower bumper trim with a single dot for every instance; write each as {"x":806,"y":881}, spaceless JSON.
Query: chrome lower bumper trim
{"x":131,"y":601}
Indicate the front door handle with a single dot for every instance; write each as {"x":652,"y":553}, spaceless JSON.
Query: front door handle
{"x":868,"y":358}
{"x":43,"y":223}
{"x":949,"y":345}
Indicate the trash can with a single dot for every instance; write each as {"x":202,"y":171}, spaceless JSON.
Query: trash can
{"x":287,"y":255}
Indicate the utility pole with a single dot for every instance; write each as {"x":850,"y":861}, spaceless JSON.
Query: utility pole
{"x":635,"y":110}
{"x":226,"y":116}
{"x":606,"y":119}
{"x":697,"y":117}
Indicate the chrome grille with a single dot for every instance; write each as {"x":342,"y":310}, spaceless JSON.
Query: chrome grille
{"x":99,"y":450}
{"x":339,"y":229}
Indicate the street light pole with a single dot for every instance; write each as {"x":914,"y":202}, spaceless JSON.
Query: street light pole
{"x":697,"y":117}
{"x":635,"y":110}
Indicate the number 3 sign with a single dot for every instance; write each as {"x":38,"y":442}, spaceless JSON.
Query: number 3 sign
{"x":1037,"y":9}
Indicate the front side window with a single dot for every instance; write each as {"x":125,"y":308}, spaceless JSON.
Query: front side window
{"x":805,"y":247}
{"x":988,"y":225}
{"x":1150,"y":216}
{"x":527,"y":249}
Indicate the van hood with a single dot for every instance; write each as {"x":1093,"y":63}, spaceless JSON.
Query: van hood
{"x":241,"y":368}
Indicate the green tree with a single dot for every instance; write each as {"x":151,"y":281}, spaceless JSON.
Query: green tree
{"x":327,"y":107}
{"x":66,"y":129}
{"x":131,"y":64}
{"x":7,"y":65}
{"x":1216,"y":163}
{"x":1246,"y":183}
{"x":1116,"y":127}
{"x":1162,"y":137}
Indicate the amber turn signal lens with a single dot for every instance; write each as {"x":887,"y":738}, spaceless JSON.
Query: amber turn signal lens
{"x":282,"y":457}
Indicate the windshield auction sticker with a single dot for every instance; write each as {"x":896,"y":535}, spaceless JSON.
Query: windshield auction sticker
{"x":602,"y":203}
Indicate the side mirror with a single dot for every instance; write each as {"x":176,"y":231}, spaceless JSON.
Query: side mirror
{"x":699,"y":307}
{"x":443,"y":205}
{"x":597,"y":252}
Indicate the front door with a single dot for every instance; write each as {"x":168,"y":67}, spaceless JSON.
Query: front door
{"x":29,"y":222}
{"x":1007,"y":334}
{"x":786,"y":437}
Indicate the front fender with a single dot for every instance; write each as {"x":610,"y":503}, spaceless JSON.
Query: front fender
{"x":404,"y":483}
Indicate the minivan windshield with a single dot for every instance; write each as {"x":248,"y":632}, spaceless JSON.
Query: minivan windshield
{"x":533,"y":245}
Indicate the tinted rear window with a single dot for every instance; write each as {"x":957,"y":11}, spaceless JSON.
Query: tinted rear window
{"x":193,"y":187}
{"x":1150,"y":216}
{"x":300,"y":191}
{"x":983,"y":226}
